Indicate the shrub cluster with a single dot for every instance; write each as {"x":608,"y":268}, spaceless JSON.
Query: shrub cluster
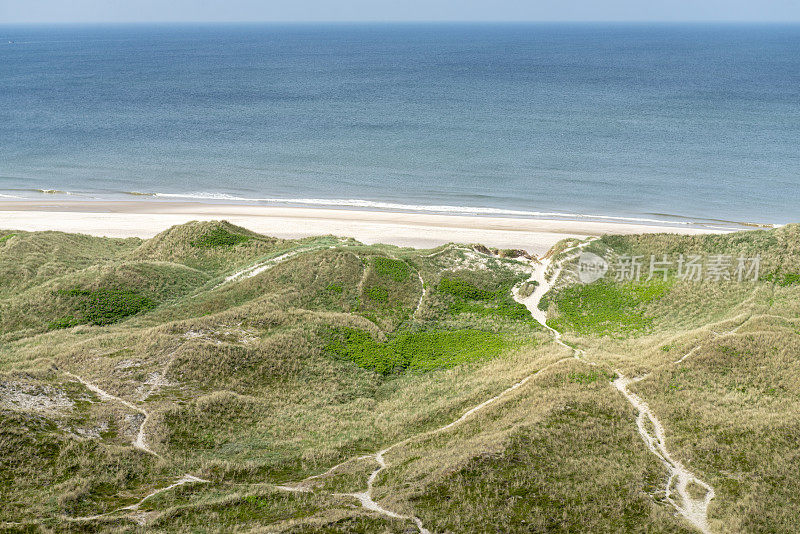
{"x":335,"y":288}
{"x":497,"y":302}
{"x":102,"y":306}
{"x":605,"y":307}
{"x":397,"y":270}
{"x":419,"y":351}
{"x":377,"y":293}
{"x":464,"y":290}
{"x":783,"y":279}
{"x":219,"y":237}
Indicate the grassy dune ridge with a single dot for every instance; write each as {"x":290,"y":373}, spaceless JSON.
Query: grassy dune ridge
{"x":260,"y":361}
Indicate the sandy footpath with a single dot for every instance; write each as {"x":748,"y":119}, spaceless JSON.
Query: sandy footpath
{"x":147,"y":218}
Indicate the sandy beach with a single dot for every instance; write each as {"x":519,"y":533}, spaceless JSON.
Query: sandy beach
{"x":147,"y":218}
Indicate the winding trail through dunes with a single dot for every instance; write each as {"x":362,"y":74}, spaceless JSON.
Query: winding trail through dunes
{"x":185,"y":479}
{"x":366,"y":497}
{"x":423,"y":292}
{"x":258,"y":268}
{"x":652,"y":432}
{"x":693,"y":509}
{"x":139,"y":442}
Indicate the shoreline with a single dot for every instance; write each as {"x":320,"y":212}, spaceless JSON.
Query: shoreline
{"x":356,"y":204}
{"x":144,"y":219}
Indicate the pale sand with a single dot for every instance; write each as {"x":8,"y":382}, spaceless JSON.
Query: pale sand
{"x":147,"y":218}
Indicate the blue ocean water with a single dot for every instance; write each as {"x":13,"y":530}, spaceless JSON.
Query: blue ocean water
{"x":654,"y":122}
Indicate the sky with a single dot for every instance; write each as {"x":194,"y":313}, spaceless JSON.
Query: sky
{"x":93,"y":11}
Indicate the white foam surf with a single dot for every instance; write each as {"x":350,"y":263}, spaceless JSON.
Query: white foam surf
{"x":449,"y":209}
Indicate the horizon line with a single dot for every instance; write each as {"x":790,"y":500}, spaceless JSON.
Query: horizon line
{"x":402,"y":21}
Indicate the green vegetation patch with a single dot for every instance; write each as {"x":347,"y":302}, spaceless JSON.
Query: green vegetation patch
{"x":606,"y":308}
{"x":377,"y":293}
{"x":335,"y":288}
{"x":67,"y":321}
{"x":231,"y":514}
{"x":505,"y":308}
{"x":468,"y":298}
{"x":219,"y":237}
{"x":102,"y":306}
{"x":6,"y":237}
{"x":589,"y":377}
{"x":353,"y":525}
{"x":397,"y":270}
{"x":782,"y":279}
{"x":420,"y":351}
{"x":465,"y":290}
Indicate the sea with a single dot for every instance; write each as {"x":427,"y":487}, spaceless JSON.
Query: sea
{"x":695,"y":124}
